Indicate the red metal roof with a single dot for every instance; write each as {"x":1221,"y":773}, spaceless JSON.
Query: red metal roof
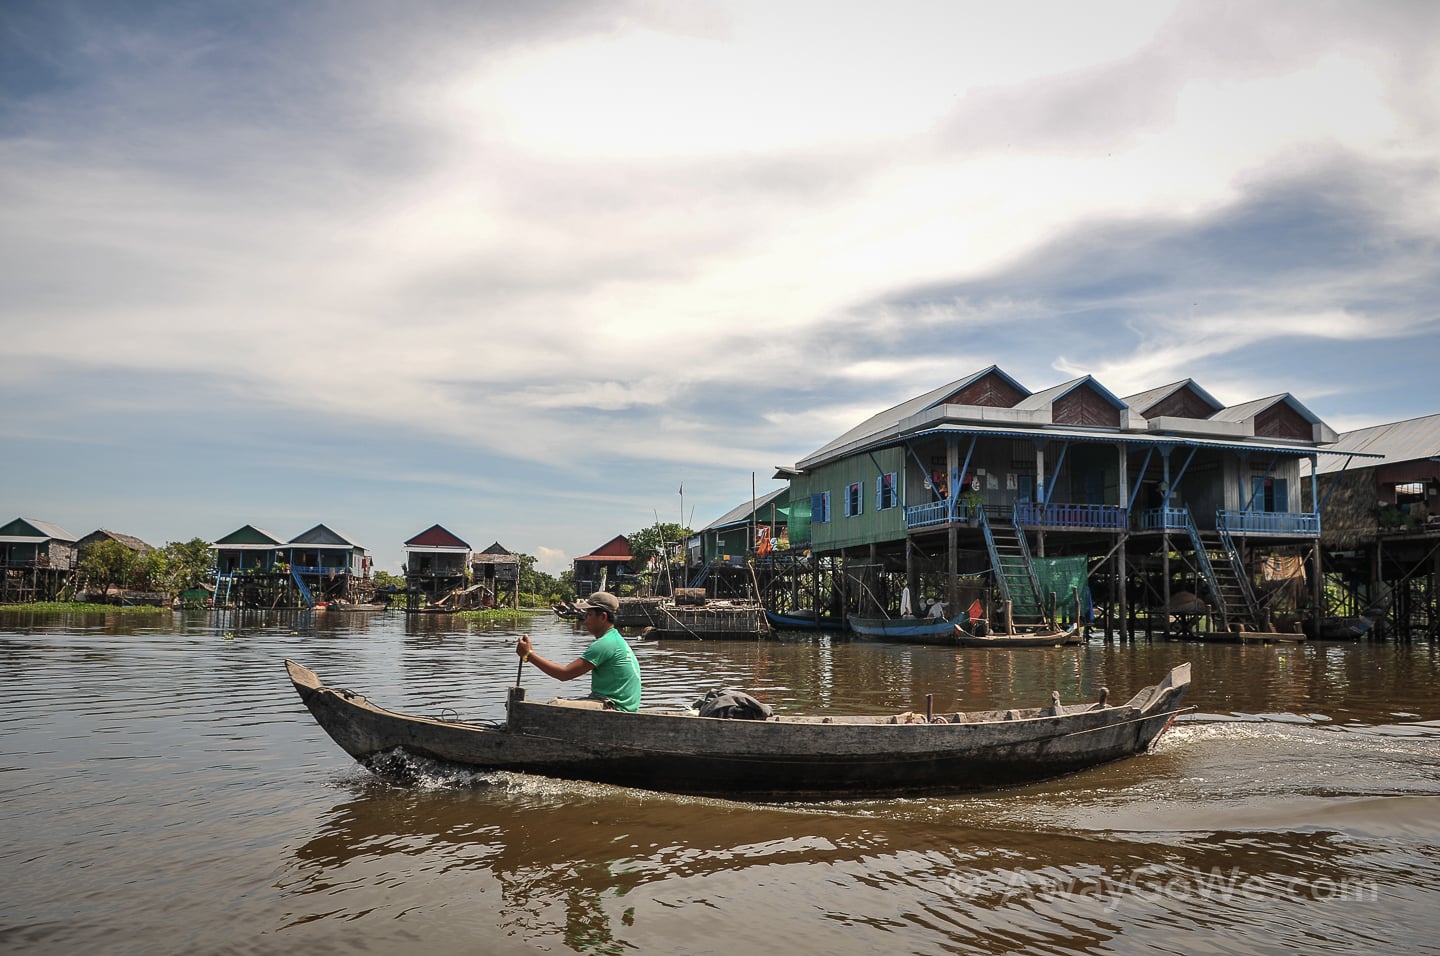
{"x":616,"y":547}
{"x":436,"y":537}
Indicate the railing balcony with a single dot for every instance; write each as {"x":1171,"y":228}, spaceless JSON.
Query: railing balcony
{"x":1268,"y":522}
{"x":930,"y":513}
{"x":336,"y":569}
{"x":1069,"y":516}
{"x":1162,"y":519}
{"x":933,"y":513}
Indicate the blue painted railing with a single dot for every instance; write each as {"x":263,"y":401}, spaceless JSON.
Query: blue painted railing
{"x":305,"y":594}
{"x":1237,"y":564}
{"x":1163,"y":519}
{"x":1268,"y":522}
{"x":1207,"y":570}
{"x":933,"y":513}
{"x":1029,"y":514}
{"x":338,"y":569}
{"x":1032,"y":515}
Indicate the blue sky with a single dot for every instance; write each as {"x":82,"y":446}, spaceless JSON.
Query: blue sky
{"x":526,"y":269}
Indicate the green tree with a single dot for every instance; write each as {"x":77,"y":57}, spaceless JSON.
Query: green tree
{"x":536,"y":586}
{"x":649,"y":542}
{"x":151,"y":570}
{"x":106,"y":564}
{"x":384,"y":579}
{"x":187,"y":564}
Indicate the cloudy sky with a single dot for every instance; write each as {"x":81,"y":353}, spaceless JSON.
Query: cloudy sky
{"x":524,"y":269}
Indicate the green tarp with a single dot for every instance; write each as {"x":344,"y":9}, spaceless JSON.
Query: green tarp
{"x":1060,"y":576}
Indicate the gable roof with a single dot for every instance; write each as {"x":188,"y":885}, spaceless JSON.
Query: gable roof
{"x":1050,"y":396}
{"x":616,"y":547}
{"x":891,"y":417}
{"x":1415,"y":439}
{"x":436,"y":537}
{"x":1238,"y":413}
{"x":1034,"y":416}
{"x":495,"y":554}
{"x":1143,"y":402}
{"x":741,"y":514}
{"x":248,"y":536}
{"x":33,"y":528}
{"x":1250,"y":410}
{"x":128,"y":540}
{"x":323,"y":536}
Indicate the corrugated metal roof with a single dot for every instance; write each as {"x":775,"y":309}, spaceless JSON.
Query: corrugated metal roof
{"x":1239,"y":413}
{"x":247,"y":535}
{"x":893,"y":416}
{"x":741,"y":514}
{"x":1050,"y":396}
{"x":50,"y":530}
{"x":323,"y":536}
{"x":617,"y":548}
{"x":885,"y":427}
{"x":1412,"y":440}
{"x":1142,"y":402}
{"x":436,"y":537}
{"x":1102,"y":437}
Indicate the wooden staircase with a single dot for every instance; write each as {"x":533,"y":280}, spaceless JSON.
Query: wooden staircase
{"x":1014,"y":572}
{"x":1223,"y":572}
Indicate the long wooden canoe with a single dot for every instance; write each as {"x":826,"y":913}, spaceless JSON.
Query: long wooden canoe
{"x":909,"y":630}
{"x":783,"y":757}
{"x":802,"y":621}
{"x":1040,"y":637}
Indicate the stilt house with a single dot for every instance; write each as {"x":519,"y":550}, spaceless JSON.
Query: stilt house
{"x":326,"y":565}
{"x":497,"y":570}
{"x":36,"y":559}
{"x":603,"y":568}
{"x":251,"y":570}
{"x":126,"y":540}
{"x":1381,"y":525}
{"x":981,"y":478}
{"x":717,"y":555}
{"x":435,"y":565}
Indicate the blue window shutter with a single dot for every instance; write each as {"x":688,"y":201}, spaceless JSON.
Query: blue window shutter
{"x":820,"y":507}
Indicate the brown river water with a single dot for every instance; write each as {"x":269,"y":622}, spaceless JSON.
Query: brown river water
{"x":163,"y":790}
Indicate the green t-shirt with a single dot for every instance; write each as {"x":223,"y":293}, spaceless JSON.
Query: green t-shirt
{"x":617,"y":672}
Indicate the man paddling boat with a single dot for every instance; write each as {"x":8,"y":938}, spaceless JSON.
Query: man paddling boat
{"x":614,"y":671}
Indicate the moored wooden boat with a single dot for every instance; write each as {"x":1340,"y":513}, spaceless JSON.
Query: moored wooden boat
{"x":1244,"y":637}
{"x":1345,"y":628}
{"x":1039,"y":637}
{"x":784,"y":756}
{"x":910,"y":630}
{"x":801,"y":621}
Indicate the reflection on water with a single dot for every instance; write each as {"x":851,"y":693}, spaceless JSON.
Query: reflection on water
{"x":163,"y":790}
{"x":601,"y":870}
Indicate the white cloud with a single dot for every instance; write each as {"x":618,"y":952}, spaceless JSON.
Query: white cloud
{"x":495,"y":231}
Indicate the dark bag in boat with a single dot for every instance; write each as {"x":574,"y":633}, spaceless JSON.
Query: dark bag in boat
{"x":734,"y":704}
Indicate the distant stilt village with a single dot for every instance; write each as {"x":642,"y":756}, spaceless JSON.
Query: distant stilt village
{"x":1160,"y":513}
